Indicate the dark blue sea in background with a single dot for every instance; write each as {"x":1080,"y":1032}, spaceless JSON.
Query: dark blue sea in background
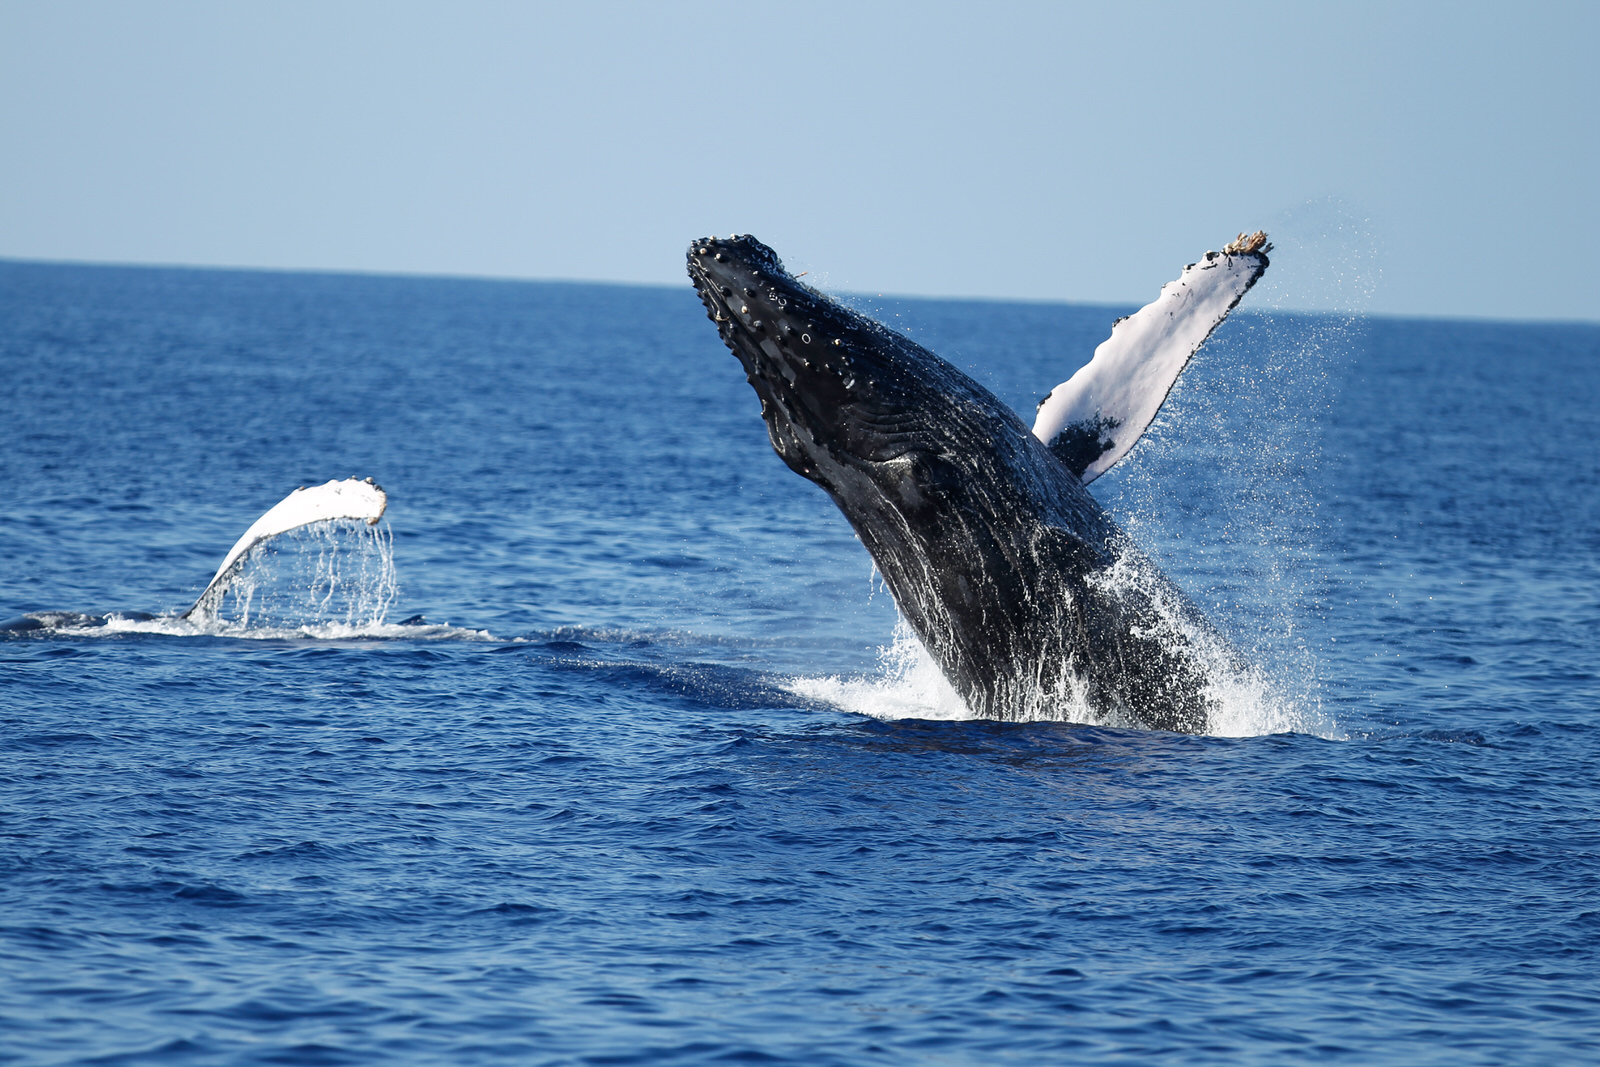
{"x":655,"y":781}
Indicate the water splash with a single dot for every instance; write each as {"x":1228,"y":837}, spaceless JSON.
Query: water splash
{"x":1245,"y":700}
{"x":908,"y":685}
{"x":1328,"y":259}
{"x":1225,"y":491}
{"x":338,"y":574}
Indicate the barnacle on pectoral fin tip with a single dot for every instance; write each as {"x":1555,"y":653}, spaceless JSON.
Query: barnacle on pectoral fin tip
{"x":1244,"y":244}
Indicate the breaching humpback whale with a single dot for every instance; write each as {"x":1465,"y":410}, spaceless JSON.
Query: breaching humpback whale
{"x":1026,"y":593}
{"x":352,"y":498}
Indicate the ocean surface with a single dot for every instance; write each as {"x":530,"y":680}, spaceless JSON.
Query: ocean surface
{"x":655,"y":779}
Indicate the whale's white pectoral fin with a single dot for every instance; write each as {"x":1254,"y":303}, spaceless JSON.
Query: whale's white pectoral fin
{"x":349,"y":499}
{"x":1092,"y":420}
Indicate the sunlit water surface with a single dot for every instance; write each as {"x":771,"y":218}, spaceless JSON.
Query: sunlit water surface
{"x":655,"y":780}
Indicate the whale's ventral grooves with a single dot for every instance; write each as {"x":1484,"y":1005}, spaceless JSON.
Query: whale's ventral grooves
{"x":1024,"y":591}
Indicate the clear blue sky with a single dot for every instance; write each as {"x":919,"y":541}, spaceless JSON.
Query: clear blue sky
{"x":1427,"y":158}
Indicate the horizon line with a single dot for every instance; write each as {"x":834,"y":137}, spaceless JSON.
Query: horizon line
{"x":954,"y":297}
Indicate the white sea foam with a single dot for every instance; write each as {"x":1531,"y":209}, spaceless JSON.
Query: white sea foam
{"x":1245,"y":702}
{"x":174,"y":626}
{"x":908,"y":685}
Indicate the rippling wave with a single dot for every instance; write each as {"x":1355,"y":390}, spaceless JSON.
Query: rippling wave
{"x":626,"y":761}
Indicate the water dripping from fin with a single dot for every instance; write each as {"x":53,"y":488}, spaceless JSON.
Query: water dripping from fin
{"x":315,"y":559}
{"x":331,"y":574}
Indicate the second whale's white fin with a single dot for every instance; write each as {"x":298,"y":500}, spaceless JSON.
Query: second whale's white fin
{"x":1092,"y":420}
{"x":349,"y":499}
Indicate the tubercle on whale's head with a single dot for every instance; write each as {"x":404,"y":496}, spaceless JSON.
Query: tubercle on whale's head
{"x":839,"y":392}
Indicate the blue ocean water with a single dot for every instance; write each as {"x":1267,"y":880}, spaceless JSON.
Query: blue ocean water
{"x":656,"y":781}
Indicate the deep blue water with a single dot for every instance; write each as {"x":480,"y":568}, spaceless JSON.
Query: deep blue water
{"x":643,"y":789}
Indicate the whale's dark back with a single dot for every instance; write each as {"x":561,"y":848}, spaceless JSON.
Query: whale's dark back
{"x":1026,"y":593}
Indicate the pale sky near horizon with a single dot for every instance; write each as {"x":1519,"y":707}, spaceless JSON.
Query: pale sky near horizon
{"x":1408,"y":158}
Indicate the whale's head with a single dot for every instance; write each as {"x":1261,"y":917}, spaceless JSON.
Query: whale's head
{"x":881,"y":423}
